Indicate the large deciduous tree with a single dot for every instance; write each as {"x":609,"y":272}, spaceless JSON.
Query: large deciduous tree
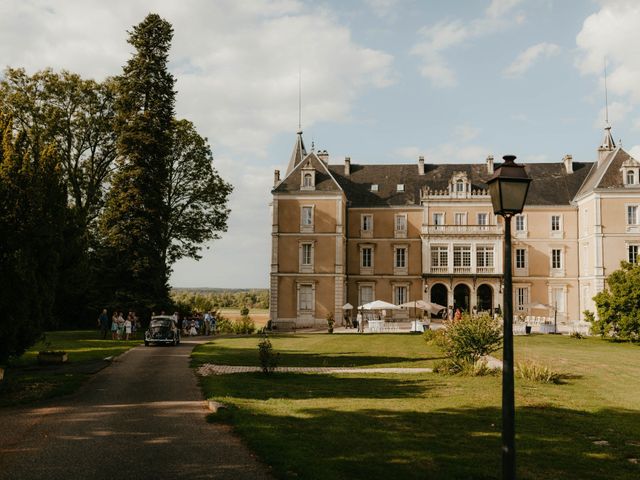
{"x":196,"y":196}
{"x":619,"y":305}
{"x":136,"y":214}
{"x":32,"y":208}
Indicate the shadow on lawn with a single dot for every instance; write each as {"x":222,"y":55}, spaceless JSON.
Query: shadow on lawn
{"x":552,"y":443}
{"x":293,"y":358}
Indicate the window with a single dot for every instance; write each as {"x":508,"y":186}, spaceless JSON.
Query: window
{"x":438,"y":218}
{"x":483,"y":219}
{"x":462,"y":256}
{"x":400,"y":187}
{"x":308,"y":180}
{"x":521,"y":224}
{"x":366,"y":294}
{"x":555,"y":223}
{"x":439,"y":256}
{"x":306,"y":257}
{"x":400,"y":294}
{"x":305,"y":298}
{"x":631,"y":178}
{"x":306,"y":220}
{"x":367,"y":257}
{"x":460,"y":218}
{"x":557,"y":299}
{"x":522,"y":297}
{"x":306,"y":254}
{"x":374,"y":187}
{"x":632,"y":215}
{"x":401,"y":257}
{"x":484,"y":256}
{"x":556,"y":259}
{"x":633,"y":253}
{"x":367,"y":223}
{"x":521,"y":258}
{"x":401,"y":225}
{"x":460,"y":186}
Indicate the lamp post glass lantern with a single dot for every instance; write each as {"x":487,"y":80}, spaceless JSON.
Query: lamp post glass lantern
{"x":508,"y":189}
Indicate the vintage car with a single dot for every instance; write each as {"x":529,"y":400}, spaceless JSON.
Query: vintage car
{"x":162,"y":329}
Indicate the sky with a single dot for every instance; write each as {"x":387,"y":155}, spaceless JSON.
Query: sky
{"x":382,"y":81}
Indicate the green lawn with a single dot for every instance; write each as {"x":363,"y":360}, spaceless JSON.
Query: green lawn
{"x":26,"y":381}
{"x":426,"y":425}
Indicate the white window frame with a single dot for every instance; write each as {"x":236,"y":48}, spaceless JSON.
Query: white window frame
{"x":361,"y":285}
{"x":560,"y":306}
{"x":367,"y":270}
{"x":312,"y":175}
{"x":396,"y":288}
{"x":633,"y":226}
{"x":374,"y":187}
{"x":635,"y":248}
{"x":460,"y":218}
{"x":630,"y":175}
{"x":400,"y":269}
{"x":558,"y":271}
{"x":523,"y":232}
{"x":485,"y":258}
{"x":521,"y":270}
{"x":400,"y":233}
{"x":307,"y":227}
{"x":559,"y":233}
{"x":306,"y":313}
{"x":436,"y":252}
{"x":400,"y":187}
{"x":438,"y":217}
{"x":369,"y":231}
{"x":304,"y":267}
{"x":464,"y":257}
{"x":521,"y":296}
{"x":482,"y":223}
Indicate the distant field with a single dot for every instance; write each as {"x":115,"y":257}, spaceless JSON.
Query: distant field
{"x":259,"y":315}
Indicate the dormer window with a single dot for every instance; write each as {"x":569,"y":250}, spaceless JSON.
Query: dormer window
{"x":400,"y":187}
{"x":631,"y":177}
{"x":460,"y":186}
{"x":631,"y":173}
{"x":308,"y":179}
{"x":374,"y":187}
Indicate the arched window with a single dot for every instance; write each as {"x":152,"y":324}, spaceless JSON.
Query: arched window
{"x":631,"y":178}
{"x":460,"y":186}
{"x":308,"y":181}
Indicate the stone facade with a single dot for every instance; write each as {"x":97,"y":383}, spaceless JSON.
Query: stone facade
{"x":356,"y":233}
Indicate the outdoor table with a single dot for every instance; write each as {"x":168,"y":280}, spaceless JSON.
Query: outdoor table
{"x":376,"y":326}
{"x":547,"y":328}
{"x":417,"y":326}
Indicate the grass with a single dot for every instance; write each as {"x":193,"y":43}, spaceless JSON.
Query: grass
{"x":26,"y":381}
{"x":430,"y":426}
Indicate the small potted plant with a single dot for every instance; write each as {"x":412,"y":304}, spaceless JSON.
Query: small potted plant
{"x":49,"y":356}
{"x":330,"y":321}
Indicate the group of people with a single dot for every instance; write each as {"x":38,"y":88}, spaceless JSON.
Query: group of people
{"x":197,"y":324}
{"x":121,"y":328}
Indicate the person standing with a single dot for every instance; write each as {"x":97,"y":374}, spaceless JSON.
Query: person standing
{"x":127,"y":326}
{"x":114,"y":325}
{"x":120,"y":326}
{"x":103,"y":323}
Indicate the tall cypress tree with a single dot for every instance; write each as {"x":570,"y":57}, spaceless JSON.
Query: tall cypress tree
{"x":135,"y":217}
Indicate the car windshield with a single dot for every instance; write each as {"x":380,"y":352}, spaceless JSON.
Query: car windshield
{"x":160,"y":323}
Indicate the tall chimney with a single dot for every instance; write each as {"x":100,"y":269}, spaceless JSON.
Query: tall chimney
{"x":324,"y":156}
{"x":420,"y":165}
{"x":490,"y":164}
{"x":276,"y":178}
{"x":568,"y":163}
{"x":347,"y":166}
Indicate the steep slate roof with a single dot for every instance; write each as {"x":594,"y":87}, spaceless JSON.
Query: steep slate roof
{"x":297,"y":155}
{"x":551,"y":185}
{"x":324,"y":180}
{"x":606,"y":174}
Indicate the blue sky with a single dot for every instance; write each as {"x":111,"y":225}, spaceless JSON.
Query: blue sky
{"x":383,"y":81}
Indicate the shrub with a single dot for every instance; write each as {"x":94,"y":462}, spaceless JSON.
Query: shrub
{"x":457,"y":366}
{"x":224,"y":325}
{"x":244,"y":326}
{"x":577,"y":335}
{"x":330,"y":321}
{"x":537,"y":372}
{"x":470,"y":338}
{"x":268,"y":358}
{"x":244,"y":311}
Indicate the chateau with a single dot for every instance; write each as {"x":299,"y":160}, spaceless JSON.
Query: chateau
{"x":354,"y":233}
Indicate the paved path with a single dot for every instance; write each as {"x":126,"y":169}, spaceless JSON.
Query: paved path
{"x":143,"y":417}
{"x":213,"y":369}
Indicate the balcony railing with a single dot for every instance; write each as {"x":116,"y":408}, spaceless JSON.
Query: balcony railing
{"x":463,"y":270}
{"x":462,"y":229}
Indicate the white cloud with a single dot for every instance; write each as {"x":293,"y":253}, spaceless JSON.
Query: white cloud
{"x":236,"y":65}
{"x":438,"y":38}
{"x":382,"y":8}
{"x":618,"y":112}
{"x":635,"y":152}
{"x":612,"y":33}
{"x":445,"y":153}
{"x":526,"y":59}
{"x":466,"y":133}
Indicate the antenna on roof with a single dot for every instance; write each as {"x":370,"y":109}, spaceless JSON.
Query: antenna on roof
{"x":299,"y":98}
{"x":606,"y":97}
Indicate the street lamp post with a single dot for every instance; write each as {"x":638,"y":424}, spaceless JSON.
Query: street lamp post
{"x":508,"y":189}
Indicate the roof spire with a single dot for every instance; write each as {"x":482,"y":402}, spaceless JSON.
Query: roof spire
{"x":608,"y":143}
{"x":299,"y":98}
{"x":606,"y":97}
{"x":298,"y":153}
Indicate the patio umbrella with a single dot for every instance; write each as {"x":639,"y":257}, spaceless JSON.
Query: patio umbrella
{"x":378,"y":305}
{"x":347,"y":306}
